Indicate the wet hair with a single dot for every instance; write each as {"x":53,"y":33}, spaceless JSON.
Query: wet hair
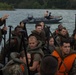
{"x":17,"y":27}
{"x":65,"y":41}
{"x":63,"y":28}
{"x":32,"y":35}
{"x":38,"y":24}
{"x":20,"y":23}
{"x":47,"y":11}
{"x":51,"y":37}
{"x":48,"y":65}
{"x":60,"y":25}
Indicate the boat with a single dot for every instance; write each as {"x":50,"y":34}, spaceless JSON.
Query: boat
{"x":54,"y":19}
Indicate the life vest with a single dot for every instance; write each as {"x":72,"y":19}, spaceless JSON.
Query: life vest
{"x":22,"y":68}
{"x":56,"y":31}
{"x":65,"y":65}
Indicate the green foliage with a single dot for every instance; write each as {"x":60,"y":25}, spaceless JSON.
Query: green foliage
{"x":36,"y":5}
{"x":42,"y":4}
{"x":5,"y":6}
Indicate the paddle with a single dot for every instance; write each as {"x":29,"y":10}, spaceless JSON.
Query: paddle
{"x":23,"y":26}
{"x":9,"y":34}
{"x":48,"y":37}
{"x":9,"y":39}
{"x":4,"y":35}
{"x":75,"y":25}
{"x":26,"y":35}
{"x":75,"y":22}
{"x":55,"y":39}
{"x":24,"y":45}
{"x":4,"y":40}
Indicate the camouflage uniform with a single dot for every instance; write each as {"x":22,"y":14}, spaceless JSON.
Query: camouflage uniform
{"x":15,"y":67}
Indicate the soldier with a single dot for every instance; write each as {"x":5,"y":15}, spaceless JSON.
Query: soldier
{"x":62,"y":35}
{"x":39,"y":33}
{"x":66,"y":58}
{"x":17,"y":64}
{"x":49,"y":46}
{"x":14,"y":44}
{"x":34,"y":48}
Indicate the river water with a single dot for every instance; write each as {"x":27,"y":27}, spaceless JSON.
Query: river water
{"x":19,"y":14}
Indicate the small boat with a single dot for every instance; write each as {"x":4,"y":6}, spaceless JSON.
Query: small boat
{"x":54,"y":19}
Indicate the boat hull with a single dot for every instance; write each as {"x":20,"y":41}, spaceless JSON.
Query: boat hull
{"x":47,"y":21}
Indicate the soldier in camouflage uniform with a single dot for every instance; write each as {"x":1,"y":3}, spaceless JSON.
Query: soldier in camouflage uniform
{"x":17,"y":64}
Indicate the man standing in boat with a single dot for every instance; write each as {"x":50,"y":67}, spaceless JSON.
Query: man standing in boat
{"x":47,"y":15}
